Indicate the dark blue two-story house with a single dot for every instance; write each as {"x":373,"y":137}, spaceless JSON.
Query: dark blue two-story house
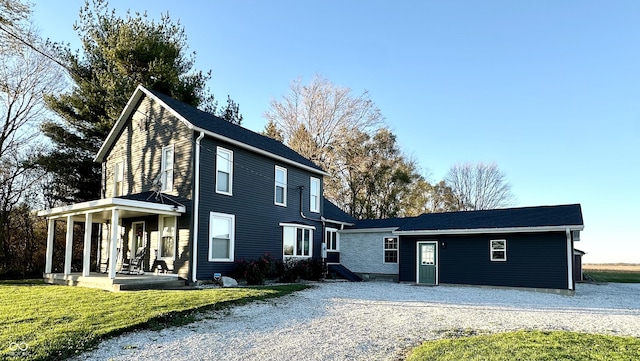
{"x":193,"y":193}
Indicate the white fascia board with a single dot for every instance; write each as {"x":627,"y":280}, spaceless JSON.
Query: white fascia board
{"x":258,"y":150}
{"x":369,"y":230}
{"x":122,"y":120}
{"x":336,"y":222}
{"x":489,"y":230}
{"x":297,"y":225}
{"x":111,"y":203}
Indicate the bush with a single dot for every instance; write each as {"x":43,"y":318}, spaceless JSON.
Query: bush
{"x":307,"y":269}
{"x":255,"y":272}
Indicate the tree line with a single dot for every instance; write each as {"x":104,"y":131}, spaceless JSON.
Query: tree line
{"x":58,"y":105}
{"x":369,"y":176}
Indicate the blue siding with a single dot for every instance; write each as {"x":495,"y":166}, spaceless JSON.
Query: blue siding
{"x":537,"y":260}
{"x":257,"y":229}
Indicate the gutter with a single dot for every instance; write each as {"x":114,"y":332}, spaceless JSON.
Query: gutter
{"x":490,"y":230}
{"x":196,"y":208}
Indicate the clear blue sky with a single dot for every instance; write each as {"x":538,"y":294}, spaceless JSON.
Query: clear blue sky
{"x":549,"y":90}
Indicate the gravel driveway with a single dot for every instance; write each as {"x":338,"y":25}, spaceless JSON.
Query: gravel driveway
{"x":375,"y":321}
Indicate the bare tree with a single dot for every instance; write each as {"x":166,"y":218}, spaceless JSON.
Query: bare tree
{"x":320,"y":119}
{"x":326,"y":111}
{"x":25,"y":75}
{"x":479,"y":186}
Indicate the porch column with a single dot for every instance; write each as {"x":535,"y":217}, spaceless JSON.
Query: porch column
{"x":51,"y":230}
{"x":86,"y":256}
{"x":68,"y":250}
{"x":113,"y":253}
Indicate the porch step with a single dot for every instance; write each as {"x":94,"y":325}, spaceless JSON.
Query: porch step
{"x":344,"y":272}
{"x":120,"y":283}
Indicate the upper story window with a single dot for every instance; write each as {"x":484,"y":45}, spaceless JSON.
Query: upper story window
{"x":331,"y":240}
{"x":498,"y":249}
{"x":314,"y":195}
{"x":224,"y":171}
{"x":118,"y":179}
{"x":166,"y":168}
{"x":281,"y":186}
{"x":391,"y":250}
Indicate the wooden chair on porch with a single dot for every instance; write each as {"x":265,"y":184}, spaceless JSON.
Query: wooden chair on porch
{"x":135,"y":265}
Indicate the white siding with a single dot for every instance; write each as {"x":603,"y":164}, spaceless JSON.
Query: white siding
{"x":364,"y":253}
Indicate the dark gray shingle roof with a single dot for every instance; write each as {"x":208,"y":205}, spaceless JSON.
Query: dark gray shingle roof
{"x":542,"y":216}
{"x":332,"y":212}
{"x":209,"y":122}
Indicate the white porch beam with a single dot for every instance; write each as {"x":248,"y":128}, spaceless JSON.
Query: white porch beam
{"x":68,"y":250}
{"x":51,"y":231}
{"x":86,"y":254}
{"x":113,"y":252}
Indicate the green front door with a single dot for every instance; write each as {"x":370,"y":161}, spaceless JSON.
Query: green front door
{"x":427,"y":263}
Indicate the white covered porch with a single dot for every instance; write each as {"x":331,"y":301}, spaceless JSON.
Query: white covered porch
{"x":105,"y":211}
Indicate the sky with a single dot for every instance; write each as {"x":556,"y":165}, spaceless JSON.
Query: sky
{"x":548,"y":90}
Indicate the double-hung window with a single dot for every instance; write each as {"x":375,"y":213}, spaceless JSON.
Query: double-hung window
{"x":314,"y":195}
{"x":224,"y":171}
{"x":331,"y":240}
{"x":498,"y":249}
{"x":221,"y":237}
{"x":280,"y":196}
{"x":166,"y":168}
{"x":118,"y":179}
{"x":297,"y":240}
{"x":391,"y":250}
{"x":167,"y":244}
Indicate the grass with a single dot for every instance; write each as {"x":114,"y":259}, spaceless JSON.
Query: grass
{"x":614,"y":276}
{"x":530,"y":345}
{"x":47,"y":322}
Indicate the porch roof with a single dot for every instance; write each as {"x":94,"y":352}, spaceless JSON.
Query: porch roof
{"x":101,"y":209}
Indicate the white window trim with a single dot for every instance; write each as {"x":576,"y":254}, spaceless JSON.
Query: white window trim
{"x":118,"y":168}
{"x":311,"y":229}
{"x":337,"y":249}
{"x":175,"y":240}
{"x":163,"y":170}
{"x":232,"y":236}
{"x":384,"y":249}
{"x":275,"y":186}
{"x":311,"y":191}
{"x":491,"y":249}
{"x":230,"y":153}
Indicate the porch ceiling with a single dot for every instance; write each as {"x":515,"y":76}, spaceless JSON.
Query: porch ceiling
{"x":101,"y":209}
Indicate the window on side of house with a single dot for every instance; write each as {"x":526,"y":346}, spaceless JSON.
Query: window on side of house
{"x":224,"y":171}
{"x":280,"y":196}
{"x":167,"y":245}
{"x":498,"y":249}
{"x":166,"y":168}
{"x":390,"y":250}
{"x":314,"y":195}
{"x":297,"y":241}
{"x":221,"y":237}
{"x":331,"y":240}
{"x":118,"y":179}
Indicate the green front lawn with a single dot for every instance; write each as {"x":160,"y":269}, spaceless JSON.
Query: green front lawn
{"x":46,"y":322}
{"x":614,"y":276}
{"x":530,"y":345}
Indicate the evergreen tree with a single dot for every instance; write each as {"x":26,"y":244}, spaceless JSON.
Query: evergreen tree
{"x":117,"y":55}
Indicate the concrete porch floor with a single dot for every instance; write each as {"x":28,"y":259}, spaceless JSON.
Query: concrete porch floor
{"x":122,"y":282}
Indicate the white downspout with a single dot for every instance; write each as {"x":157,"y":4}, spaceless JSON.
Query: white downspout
{"x":196,"y":204}
{"x":569,"y":259}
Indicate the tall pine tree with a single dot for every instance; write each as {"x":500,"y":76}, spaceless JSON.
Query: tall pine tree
{"x":117,"y":55}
